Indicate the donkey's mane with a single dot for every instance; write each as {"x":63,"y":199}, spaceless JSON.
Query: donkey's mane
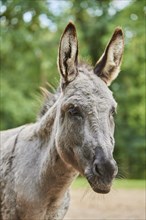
{"x":50,"y":98}
{"x":48,"y":101}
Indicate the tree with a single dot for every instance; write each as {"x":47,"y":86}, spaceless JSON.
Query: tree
{"x":27,"y":57}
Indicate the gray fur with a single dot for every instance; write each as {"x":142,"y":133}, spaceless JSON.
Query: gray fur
{"x":39,"y":161}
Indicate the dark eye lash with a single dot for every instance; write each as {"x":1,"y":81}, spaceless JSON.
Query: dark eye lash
{"x":113,"y":111}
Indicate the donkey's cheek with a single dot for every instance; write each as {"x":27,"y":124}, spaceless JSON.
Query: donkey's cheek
{"x":68,"y":156}
{"x":70,"y":133}
{"x":66,"y":144}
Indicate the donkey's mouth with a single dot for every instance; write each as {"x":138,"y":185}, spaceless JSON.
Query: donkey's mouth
{"x":101,"y":188}
{"x":99,"y":185}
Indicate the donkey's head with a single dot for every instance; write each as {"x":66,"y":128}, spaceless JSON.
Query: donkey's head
{"x":85,"y":124}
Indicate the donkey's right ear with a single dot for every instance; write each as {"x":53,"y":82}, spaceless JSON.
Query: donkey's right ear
{"x":68,"y":54}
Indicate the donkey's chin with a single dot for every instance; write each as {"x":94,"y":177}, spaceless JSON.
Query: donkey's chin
{"x":99,"y":186}
{"x":99,"y":189}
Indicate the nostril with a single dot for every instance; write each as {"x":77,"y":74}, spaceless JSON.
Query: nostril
{"x":96,"y":169}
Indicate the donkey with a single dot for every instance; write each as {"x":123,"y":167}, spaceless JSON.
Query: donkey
{"x":39,"y":161}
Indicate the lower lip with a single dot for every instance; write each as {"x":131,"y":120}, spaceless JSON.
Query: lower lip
{"x":104,"y":189}
{"x":101,"y":191}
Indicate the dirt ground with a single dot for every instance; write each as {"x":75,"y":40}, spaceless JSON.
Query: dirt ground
{"x":119,"y":204}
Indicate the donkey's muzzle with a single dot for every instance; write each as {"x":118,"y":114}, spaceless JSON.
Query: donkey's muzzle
{"x":106,"y":169}
{"x":103,"y":173}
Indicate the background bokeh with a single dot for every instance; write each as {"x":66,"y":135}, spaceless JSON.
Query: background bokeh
{"x":29,"y":39}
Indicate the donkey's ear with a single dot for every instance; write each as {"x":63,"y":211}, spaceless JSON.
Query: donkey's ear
{"x":68,"y":54}
{"x":108,"y":66}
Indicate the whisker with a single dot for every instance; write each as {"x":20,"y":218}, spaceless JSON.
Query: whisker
{"x":120,"y":176}
{"x":85,"y":193}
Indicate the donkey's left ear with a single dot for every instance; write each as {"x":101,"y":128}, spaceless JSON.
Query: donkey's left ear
{"x":68,"y":54}
{"x":108,"y":66}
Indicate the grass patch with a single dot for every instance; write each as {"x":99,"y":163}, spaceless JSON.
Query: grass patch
{"x":129,"y":184}
{"x":81,"y":182}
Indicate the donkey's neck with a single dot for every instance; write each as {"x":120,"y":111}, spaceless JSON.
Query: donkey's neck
{"x":56,"y":175}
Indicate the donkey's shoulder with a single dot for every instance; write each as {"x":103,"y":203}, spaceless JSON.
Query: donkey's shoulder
{"x":10,"y":132}
{"x":6,"y":135}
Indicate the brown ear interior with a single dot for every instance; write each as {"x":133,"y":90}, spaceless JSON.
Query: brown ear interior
{"x":68,"y":54}
{"x":108,"y":66}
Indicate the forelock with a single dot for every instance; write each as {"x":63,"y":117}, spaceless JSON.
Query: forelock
{"x":88,"y":87}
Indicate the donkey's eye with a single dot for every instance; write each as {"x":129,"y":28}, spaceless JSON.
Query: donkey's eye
{"x":74,"y":111}
{"x":112,"y":111}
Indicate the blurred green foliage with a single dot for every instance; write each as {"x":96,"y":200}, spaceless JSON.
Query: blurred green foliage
{"x":81,"y":182}
{"x":30,"y":34}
